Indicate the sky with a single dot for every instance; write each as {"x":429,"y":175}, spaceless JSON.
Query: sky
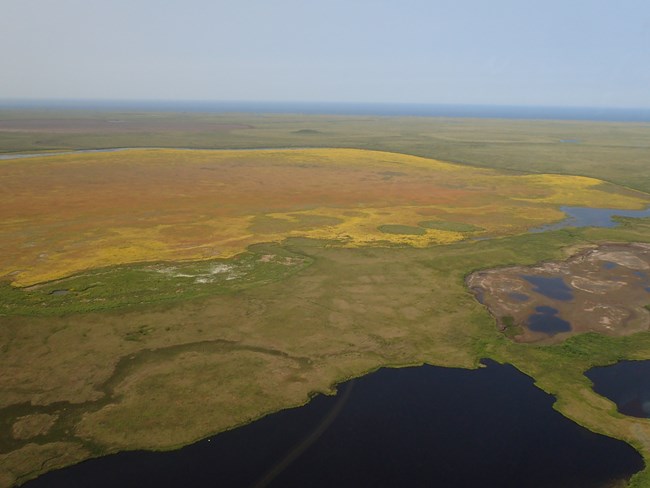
{"x":591,"y":53}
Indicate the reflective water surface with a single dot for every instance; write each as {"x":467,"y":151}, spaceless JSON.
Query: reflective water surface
{"x":591,"y":217}
{"x":551,"y":287}
{"x":546,"y":319}
{"x":420,"y":426}
{"x":626,"y":383}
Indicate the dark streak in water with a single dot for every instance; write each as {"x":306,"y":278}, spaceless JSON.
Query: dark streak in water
{"x":421,"y":426}
{"x":295,"y":453}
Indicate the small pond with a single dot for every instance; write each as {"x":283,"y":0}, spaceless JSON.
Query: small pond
{"x":545,"y":319}
{"x":420,"y":426}
{"x":591,"y":217}
{"x":626,"y":383}
{"x":550,"y":286}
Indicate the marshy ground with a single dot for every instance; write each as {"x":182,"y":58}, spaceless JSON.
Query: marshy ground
{"x":142,"y":306}
{"x":71,"y":213}
{"x":605,"y":289}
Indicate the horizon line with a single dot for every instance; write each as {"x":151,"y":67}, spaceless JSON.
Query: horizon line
{"x":36,"y":100}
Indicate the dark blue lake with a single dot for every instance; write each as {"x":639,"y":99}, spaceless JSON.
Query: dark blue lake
{"x":592,"y":217}
{"x":423,"y":426}
{"x":626,"y":383}
{"x":551,"y":287}
{"x":545,"y":319}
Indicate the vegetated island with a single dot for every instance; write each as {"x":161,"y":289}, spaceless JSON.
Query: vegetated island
{"x":154,"y":327}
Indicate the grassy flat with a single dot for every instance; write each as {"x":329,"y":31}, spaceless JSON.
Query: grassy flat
{"x":120,"y":287}
{"x":153,"y":297}
{"x":65,"y":214}
{"x":452,"y":226}
{"x":405,"y":230}
{"x":109,"y":379}
{"x":612,"y":151}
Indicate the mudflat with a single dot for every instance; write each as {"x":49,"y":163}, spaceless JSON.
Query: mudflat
{"x":603,"y":289}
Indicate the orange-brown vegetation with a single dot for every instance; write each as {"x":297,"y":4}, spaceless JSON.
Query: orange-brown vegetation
{"x":66,"y":213}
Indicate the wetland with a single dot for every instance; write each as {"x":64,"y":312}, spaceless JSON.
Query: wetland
{"x":152,"y":298}
{"x":601,"y":289}
{"x":419,"y":426}
{"x":592,"y":217}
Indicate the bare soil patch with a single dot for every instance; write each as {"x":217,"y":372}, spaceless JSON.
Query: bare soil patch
{"x":603,"y":289}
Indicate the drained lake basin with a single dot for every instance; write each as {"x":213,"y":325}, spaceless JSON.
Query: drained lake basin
{"x":419,"y":426}
{"x":552,"y":287}
{"x":603,"y":289}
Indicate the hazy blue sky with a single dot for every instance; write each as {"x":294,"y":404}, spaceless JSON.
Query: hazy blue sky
{"x":532,"y":52}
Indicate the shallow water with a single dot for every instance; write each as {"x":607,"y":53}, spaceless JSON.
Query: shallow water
{"x":545,"y":319}
{"x":591,"y":217}
{"x":626,"y":383}
{"x":552,"y":287}
{"x":422,"y":426}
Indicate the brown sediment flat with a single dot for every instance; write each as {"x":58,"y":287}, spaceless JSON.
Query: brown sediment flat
{"x":607,"y":287}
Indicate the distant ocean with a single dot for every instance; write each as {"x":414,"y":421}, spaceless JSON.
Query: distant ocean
{"x":385,"y":109}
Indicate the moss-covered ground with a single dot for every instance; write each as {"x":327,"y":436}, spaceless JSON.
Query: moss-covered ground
{"x":69,"y":213}
{"x":157,"y":353}
{"x":612,"y":151}
{"x":161,"y":376}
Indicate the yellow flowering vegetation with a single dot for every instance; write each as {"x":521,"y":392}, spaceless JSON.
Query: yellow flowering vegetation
{"x":67,"y":213}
